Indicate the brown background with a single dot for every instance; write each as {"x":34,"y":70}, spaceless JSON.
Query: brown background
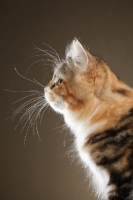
{"x":42,"y":170}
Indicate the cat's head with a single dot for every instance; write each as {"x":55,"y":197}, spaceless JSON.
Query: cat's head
{"x":75,"y":79}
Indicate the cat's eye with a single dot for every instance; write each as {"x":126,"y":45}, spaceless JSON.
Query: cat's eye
{"x":60,"y":81}
{"x":57,"y":83}
{"x":52,"y":86}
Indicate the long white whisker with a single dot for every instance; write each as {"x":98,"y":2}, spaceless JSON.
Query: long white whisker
{"x":33,"y":64}
{"x":24,"y":77}
{"x":24,"y":106}
{"x":38,"y":82}
{"x":28,"y":112}
{"x":25,"y":97}
{"x":45,"y":107}
{"x":22,"y":91}
{"x":45,"y":51}
{"x":47,"y":74}
{"x":53,"y":50}
{"x":42,"y":61}
{"x":31,"y":121}
{"x":34,"y":53}
{"x":56,"y":59}
{"x":37,"y":131}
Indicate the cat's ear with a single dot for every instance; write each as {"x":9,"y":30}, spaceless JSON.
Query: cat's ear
{"x":78,"y":54}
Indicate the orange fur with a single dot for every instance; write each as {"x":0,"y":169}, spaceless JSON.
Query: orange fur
{"x":98,"y":107}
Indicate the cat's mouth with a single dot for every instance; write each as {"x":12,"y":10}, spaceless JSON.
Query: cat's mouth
{"x":54,"y":100}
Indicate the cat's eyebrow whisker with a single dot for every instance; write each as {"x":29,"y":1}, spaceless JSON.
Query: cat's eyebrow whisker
{"x":34,"y":53}
{"x":33,"y":64}
{"x":43,"y":62}
{"x":38,"y":82}
{"x":53,"y":50}
{"x":47,"y":74}
{"x":47,"y":52}
{"x":55,"y":57}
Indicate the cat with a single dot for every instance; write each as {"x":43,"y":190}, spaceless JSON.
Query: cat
{"x":98,"y":109}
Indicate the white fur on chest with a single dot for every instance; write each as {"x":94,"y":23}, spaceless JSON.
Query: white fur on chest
{"x":81,"y":130}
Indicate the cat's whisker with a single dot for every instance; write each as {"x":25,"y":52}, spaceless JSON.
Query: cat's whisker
{"x":55,"y":52}
{"x":34,"y":54}
{"x":24,"y":105}
{"x":55,"y":57}
{"x":37,"y":131}
{"x":47,"y":74}
{"x":32,"y":106}
{"x":29,"y":114}
{"x":34,"y":110}
{"x":25,"y":97}
{"x":26,"y":135}
{"x":22,"y":91}
{"x":46,"y":51}
{"x":45,"y":107}
{"x":38,"y":82}
{"x":33,"y":128}
{"x":39,"y":112}
{"x":42,"y":61}
{"x":24,"y":77}
{"x":37,"y":61}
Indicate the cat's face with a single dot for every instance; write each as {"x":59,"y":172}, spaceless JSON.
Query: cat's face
{"x":72,"y":81}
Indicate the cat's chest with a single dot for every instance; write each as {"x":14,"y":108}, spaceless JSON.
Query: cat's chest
{"x":99,"y":176}
{"x":81,"y":131}
{"x":98,"y":173}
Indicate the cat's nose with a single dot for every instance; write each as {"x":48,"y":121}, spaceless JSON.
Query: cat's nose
{"x":46,"y":89}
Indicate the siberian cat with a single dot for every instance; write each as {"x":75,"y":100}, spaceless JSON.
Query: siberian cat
{"x":98,"y":108}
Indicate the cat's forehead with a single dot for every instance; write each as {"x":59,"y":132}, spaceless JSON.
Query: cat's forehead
{"x":62,"y":68}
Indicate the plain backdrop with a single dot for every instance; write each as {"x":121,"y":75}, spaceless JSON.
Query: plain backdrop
{"x":43,"y":170}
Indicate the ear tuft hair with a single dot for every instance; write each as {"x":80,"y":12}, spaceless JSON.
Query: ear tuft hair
{"x":77,"y":53}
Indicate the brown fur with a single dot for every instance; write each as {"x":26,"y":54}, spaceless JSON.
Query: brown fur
{"x":98,"y":94}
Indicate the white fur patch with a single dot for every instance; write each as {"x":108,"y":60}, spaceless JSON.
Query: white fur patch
{"x":57,"y":105}
{"x":81,"y":130}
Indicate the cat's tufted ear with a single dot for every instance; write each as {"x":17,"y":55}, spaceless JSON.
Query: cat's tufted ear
{"x":78,"y":54}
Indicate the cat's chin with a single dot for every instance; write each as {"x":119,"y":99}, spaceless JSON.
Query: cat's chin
{"x":57,"y":107}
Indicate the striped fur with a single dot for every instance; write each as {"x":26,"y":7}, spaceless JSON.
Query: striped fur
{"x":98,"y":108}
